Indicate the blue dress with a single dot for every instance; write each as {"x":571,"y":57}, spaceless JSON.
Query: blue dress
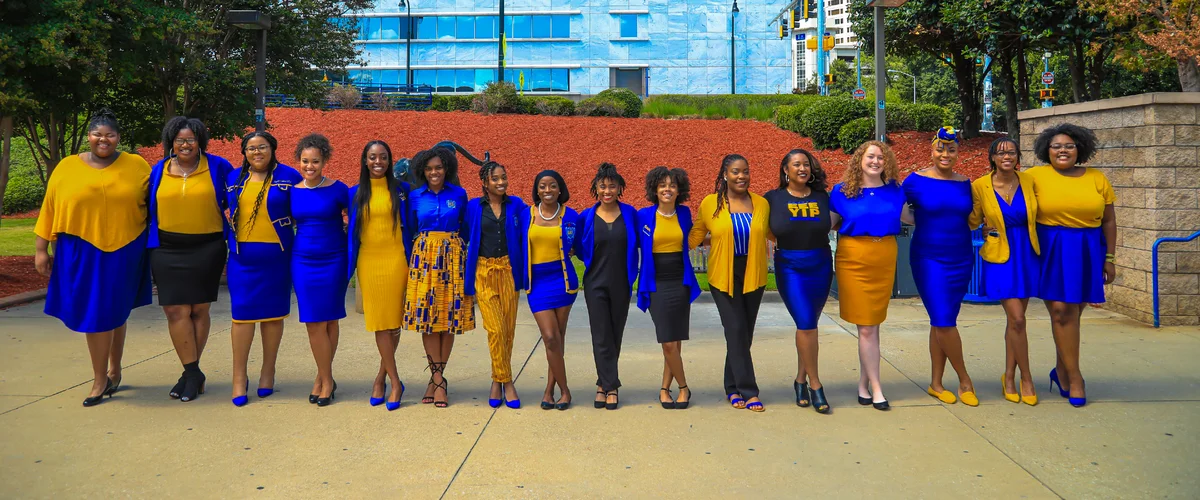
{"x":941,"y":256}
{"x":1018,"y":277}
{"x":319,"y":256}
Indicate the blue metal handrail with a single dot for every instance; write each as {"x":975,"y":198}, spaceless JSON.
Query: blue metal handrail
{"x":1154,"y":259}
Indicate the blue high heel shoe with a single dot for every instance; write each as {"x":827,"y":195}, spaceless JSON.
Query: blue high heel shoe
{"x":264,"y":392}
{"x":495,"y":403}
{"x":243,"y":399}
{"x":390,"y":405}
{"x":1054,"y":380}
{"x":1077,"y":402}
{"x":380,"y":400}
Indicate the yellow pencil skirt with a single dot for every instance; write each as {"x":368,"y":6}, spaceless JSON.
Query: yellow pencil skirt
{"x":383,"y":277}
{"x":866,"y":274}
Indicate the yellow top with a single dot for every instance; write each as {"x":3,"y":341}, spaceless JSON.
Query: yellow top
{"x":105,"y":207}
{"x":378,"y":231}
{"x":668,"y":237}
{"x":1071,"y":201}
{"x":188,"y":205}
{"x":720,"y":257}
{"x":987,"y":210}
{"x":545,"y":244}
{"x":263,"y":231}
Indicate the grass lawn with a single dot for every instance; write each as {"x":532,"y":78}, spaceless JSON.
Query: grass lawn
{"x":16,"y":237}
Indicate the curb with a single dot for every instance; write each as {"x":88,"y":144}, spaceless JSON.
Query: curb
{"x":22,"y":298}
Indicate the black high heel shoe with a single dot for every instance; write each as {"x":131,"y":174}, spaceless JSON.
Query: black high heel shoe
{"x":612,"y":405}
{"x":444,"y":385}
{"x":115,"y":385}
{"x":600,"y":404}
{"x":193,"y":387}
{"x":801,"y":394}
{"x":95,"y":400}
{"x":683,"y":405}
{"x":329,"y":400}
{"x":178,"y":388}
{"x":817,"y":396}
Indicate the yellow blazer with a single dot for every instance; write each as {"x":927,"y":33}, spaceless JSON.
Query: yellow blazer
{"x":720,"y":256}
{"x":987,"y":209}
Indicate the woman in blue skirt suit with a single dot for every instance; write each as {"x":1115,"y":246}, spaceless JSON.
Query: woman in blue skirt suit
{"x":939,"y":203}
{"x":1005,"y":204}
{"x":319,"y":258}
{"x":260,"y":247}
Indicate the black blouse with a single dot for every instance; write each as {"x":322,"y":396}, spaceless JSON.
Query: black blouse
{"x":799,"y":223}
{"x":492,"y":240}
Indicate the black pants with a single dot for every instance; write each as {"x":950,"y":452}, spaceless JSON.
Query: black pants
{"x":738,"y":312}
{"x":607,"y":311}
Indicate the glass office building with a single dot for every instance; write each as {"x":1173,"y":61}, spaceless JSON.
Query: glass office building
{"x":578,"y":47}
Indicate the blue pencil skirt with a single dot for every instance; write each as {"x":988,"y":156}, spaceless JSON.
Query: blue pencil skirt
{"x":260,"y":282}
{"x":1072,"y":264}
{"x":942,"y":277}
{"x":548,"y":287}
{"x":1018,"y":277}
{"x":320,"y":282}
{"x":804,"y":278}
{"x":93,"y":291}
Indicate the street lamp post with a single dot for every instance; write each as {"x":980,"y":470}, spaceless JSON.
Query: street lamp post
{"x":407,"y":47}
{"x":732,"y":53}
{"x":881,"y":65}
{"x":914,"y":79}
{"x":255,"y":20}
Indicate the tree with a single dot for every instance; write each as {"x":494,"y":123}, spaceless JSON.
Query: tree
{"x":1171,"y":27}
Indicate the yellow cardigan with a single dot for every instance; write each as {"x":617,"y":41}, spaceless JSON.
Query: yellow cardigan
{"x":720,"y":256}
{"x":987,"y":209}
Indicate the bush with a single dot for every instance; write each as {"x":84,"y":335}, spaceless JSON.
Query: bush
{"x":787,"y":116}
{"x":595,"y":106}
{"x":927,"y":117}
{"x":856,"y":132}
{"x":497,"y":97}
{"x":382,"y":102}
{"x":655,"y":108}
{"x":452,"y":102}
{"x":822,"y":121}
{"x":899,"y":117}
{"x":345,"y":96}
{"x":755,"y":106}
{"x":549,"y":105}
{"x":23,"y":193}
{"x":630,"y":102}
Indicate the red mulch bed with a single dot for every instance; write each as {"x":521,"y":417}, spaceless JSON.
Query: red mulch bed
{"x":574,"y":146}
{"x":17,"y":275}
{"x":32,"y":214}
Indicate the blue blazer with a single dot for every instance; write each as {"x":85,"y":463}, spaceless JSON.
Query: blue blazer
{"x":218,"y":169}
{"x":279,"y":204}
{"x":569,"y":220}
{"x":585,"y":242}
{"x":408,"y":232}
{"x":516,"y":250}
{"x":646,"y":283}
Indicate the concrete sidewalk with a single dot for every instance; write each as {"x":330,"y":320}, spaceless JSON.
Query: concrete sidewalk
{"x":1138,"y":437}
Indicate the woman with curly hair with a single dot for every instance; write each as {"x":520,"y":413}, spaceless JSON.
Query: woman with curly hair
{"x":737,"y":270}
{"x":607,"y":245}
{"x":259,"y":272}
{"x":494,"y":275}
{"x":1077,"y":229}
{"x":866,"y":210}
{"x":803,"y":262}
{"x":319,"y":258}
{"x":437,"y":305}
{"x":187,"y":242}
{"x":668,"y":286}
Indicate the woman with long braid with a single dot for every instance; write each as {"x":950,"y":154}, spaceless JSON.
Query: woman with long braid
{"x":737,"y":270}
{"x":260,"y":243}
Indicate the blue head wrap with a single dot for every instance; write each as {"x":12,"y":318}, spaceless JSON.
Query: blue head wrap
{"x":946,"y":134}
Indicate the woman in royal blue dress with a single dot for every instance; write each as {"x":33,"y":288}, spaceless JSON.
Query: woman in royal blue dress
{"x":319,"y":258}
{"x":1004,"y":202}
{"x":939,"y":204}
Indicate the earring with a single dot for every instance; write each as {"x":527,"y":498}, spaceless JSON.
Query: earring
{"x":787,"y":178}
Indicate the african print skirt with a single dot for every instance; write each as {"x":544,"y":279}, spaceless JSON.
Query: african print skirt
{"x":435,"y":299}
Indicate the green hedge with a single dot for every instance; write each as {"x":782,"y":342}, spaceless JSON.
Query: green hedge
{"x":551,"y":105}
{"x":787,"y":116}
{"x":497,"y":97}
{"x":855,"y":132}
{"x":630,"y":102}
{"x":452,"y":102}
{"x":23,"y":193}
{"x":594,"y":106}
{"x":927,"y":117}
{"x":822,"y":121}
{"x":898,"y":117}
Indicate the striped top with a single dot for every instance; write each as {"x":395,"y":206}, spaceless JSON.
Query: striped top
{"x":741,"y":233}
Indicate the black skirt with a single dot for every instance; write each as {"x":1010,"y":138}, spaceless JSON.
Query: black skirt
{"x":187,"y":267}
{"x":670,"y":304}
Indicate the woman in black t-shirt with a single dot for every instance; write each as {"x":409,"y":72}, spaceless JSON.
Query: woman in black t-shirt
{"x":803,"y":261}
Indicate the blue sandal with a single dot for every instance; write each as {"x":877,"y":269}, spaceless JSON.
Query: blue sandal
{"x":737,"y":401}
{"x":756,"y":407}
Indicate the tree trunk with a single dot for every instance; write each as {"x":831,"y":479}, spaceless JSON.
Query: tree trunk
{"x":6,"y":128}
{"x":1078,"y":72}
{"x":1008,"y":87}
{"x":964,"y":76}
{"x":1189,"y":74}
{"x":1095,"y":69}
{"x":1023,"y":77}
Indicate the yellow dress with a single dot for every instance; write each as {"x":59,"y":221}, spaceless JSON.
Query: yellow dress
{"x":382,"y":269}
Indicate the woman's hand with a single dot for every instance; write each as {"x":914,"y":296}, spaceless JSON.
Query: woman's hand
{"x":43,"y":263}
{"x":1110,"y":272}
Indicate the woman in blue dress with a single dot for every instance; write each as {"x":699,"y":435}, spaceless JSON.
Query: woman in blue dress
{"x":319,"y":258}
{"x":939,"y":203}
{"x":1006,"y":206}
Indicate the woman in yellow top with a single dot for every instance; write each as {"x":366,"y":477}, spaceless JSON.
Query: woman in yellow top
{"x":187,"y":241}
{"x":1004,"y":202}
{"x":1077,"y":230}
{"x":377,"y":230}
{"x":737,"y":270}
{"x":94,"y":212}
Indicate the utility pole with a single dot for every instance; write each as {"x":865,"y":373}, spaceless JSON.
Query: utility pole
{"x":500,"y":60}
{"x":732,"y":52}
{"x":821,"y":48}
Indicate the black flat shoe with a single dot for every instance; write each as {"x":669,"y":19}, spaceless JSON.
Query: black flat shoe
{"x":599,"y":404}
{"x":95,"y":400}
{"x":682,"y":405}
{"x":546,"y":405}
{"x":883,"y":405}
{"x":562,"y":406}
{"x":864,"y":401}
{"x":818,"y":400}
{"x":667,"y":405}
{"x":801,"y":394}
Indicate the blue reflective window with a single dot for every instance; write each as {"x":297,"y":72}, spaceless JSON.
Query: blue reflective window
{"x":466,"y":27}
{"x":541,"y":26}
{"x":484,"y":77}
{"x":363,"y":28}
{"x":390,"y":29}
{"x":389,"y":77}
{"x":445,"y":80}
{"x":445,"y":27}
{"x":521,"y":27}
{"x":560,"y":79}
{"x":371,"y":27}
{"x":628,"y":25}
{"x":426,"y":28}
{"x":360,"y":76}
{"x":485,"y":27}
{"x":541,"y":80}
{"x":402,"y":27}
{"x":510,"y":77}
{"x":561,"y":26}
{"x":464,"y":80}
{"x":425,"y":77}
{"x":508,"y":26}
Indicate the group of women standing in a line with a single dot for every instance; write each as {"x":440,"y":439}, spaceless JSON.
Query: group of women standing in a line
{"x":424,"y":255}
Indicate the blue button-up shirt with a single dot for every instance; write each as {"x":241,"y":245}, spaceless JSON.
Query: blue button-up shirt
{"x":441,"y":211}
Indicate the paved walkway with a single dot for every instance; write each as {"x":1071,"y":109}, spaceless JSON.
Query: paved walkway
{"x":1138,"y":438}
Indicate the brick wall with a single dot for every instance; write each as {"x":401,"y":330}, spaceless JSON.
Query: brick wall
{"x":1150,"y":151}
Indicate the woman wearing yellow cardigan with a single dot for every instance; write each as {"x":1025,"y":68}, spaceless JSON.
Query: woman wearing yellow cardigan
{"x":737,"y":270}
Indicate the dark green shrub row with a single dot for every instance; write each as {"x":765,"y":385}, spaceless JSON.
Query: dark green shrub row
{"x":740,"y":101}
{"x":787,"y":116}
{"x":822,"y":121}
{"x":23,"y":193}
{"x":855,"y":132}
{"x":927,"y":117}
{"x":611,"y":102}
{"x":452,"y":102}
{"x":550,"y":105}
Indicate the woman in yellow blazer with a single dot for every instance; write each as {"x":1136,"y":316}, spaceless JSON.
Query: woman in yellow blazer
{"x":1005,"y":204}
{"x":737,"y":270}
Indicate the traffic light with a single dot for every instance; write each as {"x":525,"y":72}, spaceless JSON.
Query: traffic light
{"x":783,"y":31}
{"x":811,"y":43}
{"x":792,"y":18}
{"x":1046,"y":94}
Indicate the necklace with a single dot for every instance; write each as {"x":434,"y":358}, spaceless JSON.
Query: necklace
{"x":793,"y":193}
{"x":318,"y":184}
{"x":672,"y":214}
{"x":552,"y":217}
{"x":1007,"y":190}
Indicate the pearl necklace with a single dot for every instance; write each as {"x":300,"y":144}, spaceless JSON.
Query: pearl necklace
{"x":319,"y":184}
{"x":672,"y":214}
{"x":552,"y":217}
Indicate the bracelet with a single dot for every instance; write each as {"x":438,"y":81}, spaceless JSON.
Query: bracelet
{"x":1110,"y":260}
{"x":1109,"y":255}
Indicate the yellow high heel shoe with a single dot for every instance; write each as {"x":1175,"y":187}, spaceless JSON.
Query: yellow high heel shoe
{"x":944,"y":396}
{"x":968,"y":398}
{"x":1011,"y":397}
{"x":1029,"y":400}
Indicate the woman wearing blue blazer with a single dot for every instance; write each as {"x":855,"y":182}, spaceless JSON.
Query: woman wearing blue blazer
{"x":495,"y":273}
{"x":668,"y":284}
{"x":607,"y":244}
{"x":187,"y":242}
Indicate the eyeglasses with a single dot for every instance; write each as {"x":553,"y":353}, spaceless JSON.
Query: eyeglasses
{"x":258,"y":149}
{"x":181,"y":142}
{"x":111,"y":137}
{"x":1068,"y":147}
{"x":1006,"y":153}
